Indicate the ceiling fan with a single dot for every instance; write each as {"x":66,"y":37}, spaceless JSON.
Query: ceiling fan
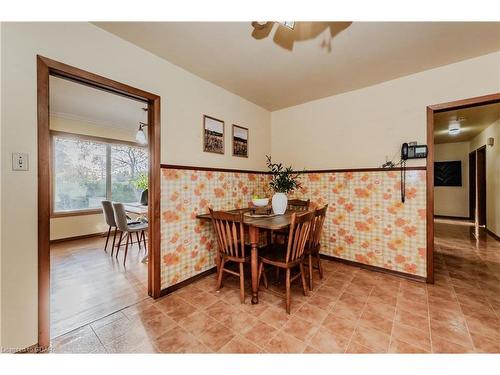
{"x":289,"y":32}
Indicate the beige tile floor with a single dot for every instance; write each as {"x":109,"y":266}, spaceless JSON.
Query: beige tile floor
{"x":350,"y":311}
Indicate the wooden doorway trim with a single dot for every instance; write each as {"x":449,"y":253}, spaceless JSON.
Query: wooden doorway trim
{"x":431,"y":111}
{"x":472,"y":186}
{"x":45,"y":68}
{"x":481,"y":175}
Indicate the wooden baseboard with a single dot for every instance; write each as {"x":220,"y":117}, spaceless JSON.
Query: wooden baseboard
{"x":186,"y":282}
{"x":192,"y":279}
{"x":496,"y":237}
{"x":375,"y":268}
{"x":100,"y":234}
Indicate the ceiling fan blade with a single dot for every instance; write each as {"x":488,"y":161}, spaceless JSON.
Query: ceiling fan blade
{"x":284,"y":37}
{"x":261,"y":31}
{"x":337,"y":27}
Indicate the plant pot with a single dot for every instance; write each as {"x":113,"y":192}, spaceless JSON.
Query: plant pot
{"x":144,"y":197}
{"x":279,"y":202}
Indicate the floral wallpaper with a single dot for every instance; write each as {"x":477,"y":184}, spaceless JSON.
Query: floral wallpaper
{"x":366,"y":221}
{"x":187,"y":243}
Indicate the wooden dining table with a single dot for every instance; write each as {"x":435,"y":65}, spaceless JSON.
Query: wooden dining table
{"x":139,"y":210}
{"x":256,"y":225}
{"x":136,"y":208}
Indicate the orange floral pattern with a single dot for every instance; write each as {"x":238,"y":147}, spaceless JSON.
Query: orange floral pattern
{"x":366,"y":221}
{"x":187,"y":243}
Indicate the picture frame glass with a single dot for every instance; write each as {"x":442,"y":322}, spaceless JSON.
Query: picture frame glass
{"x":213,"y":135}
{"x":240,"y":141}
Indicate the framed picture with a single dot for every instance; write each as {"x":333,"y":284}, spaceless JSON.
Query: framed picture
{"x":213,"y":135}
{"x":240,"y":141}
{"x":448,"y":173}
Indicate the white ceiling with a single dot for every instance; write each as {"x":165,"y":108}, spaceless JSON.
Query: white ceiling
{"x":80,"y":102}
{"x":472,"y":122}
{"x":363,"y":54}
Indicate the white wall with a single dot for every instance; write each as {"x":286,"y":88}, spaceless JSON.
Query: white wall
{"x":360,"y":128}
{"x":492,"y":174}
{"x":453,"y":200}
{"x":185,"y":98}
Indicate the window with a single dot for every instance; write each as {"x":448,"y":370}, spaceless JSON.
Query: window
{"x":87,"y":170}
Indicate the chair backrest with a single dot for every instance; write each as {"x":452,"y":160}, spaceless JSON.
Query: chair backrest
{"x":317,"y":227}
{"x":109,"y":215}
{"x":120,"y":216}
{"x":230,"y":232}
{"x":298,"y":204}
{"x":298,"y":235}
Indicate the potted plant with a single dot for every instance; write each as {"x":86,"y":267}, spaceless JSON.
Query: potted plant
{"x":141,"y":183}
{"x":284,"y":180}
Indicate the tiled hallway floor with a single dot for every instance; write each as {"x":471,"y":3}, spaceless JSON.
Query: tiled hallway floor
{"x":350,"y":311}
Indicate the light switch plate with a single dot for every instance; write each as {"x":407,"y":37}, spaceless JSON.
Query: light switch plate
{"x":20,"y":161}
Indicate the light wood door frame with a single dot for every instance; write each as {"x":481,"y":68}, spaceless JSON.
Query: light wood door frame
{"x":431,"y":111}
{"x":45,"y":68}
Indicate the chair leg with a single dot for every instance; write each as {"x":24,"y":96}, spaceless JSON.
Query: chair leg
{"x":260,"y":274}
{"x":277,"y":275}
{"x":138,"y":240}
{"x":119,"y":244}
{"x":144,"y":240}
{"x":303,"y":278}
{"x":310,"y":266}
{"x":107,"y":238}
{"x":265,"y":277}
{"x":288,"y":297}
{"x":114,"y":240}
{"x":126,"y":247}
{"x":219,"y":276}
{"x":320,"y":268}
{"x":242,"y":283}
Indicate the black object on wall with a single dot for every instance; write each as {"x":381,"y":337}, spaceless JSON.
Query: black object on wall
{"x":448,"y":173}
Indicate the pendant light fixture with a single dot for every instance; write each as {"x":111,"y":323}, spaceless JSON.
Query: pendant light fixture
{"x":140,"y":137}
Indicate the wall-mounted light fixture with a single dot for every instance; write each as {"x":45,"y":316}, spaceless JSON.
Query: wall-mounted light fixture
{"x":490,"y":141}
{"x":141,"y":136}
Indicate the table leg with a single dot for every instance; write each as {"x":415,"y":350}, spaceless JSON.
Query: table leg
{"x":254,"y":259}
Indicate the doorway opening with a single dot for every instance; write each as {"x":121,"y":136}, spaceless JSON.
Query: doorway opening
{"x":461,"y":211}
{"x":81,"y":163}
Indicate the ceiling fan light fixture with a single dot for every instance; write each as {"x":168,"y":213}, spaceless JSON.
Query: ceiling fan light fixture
{"x":288,"y":24}
{"x":454,"y":128}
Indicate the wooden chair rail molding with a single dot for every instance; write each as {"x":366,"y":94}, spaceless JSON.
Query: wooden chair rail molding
{"x":340,"y":170}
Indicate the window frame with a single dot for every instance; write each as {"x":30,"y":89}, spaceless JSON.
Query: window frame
{"x":108,"y":142}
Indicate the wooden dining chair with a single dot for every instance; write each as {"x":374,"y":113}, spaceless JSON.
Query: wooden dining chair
{"x":124,"y":226}
{"x":230,"y":233}
{"x":298,"y":204}
{"x":292,"y":205}
{"x":291,"y":257}
{"x":313,"y":244}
